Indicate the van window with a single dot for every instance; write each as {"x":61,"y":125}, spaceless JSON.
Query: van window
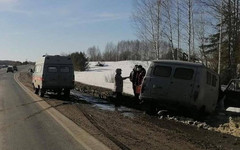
{"x":209,"y":78}
{"x":214,"y":80}
{"x":52,"y":69}
{"x":234,"y":86}
{"x":183,"y":73}
{"x":162,"y":71}
{"x":64,"y":69}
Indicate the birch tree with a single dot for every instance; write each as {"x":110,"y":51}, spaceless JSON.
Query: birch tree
{"x":147,"y":21}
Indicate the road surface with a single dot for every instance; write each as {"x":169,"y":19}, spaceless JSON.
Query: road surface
{"x":22,"y":127}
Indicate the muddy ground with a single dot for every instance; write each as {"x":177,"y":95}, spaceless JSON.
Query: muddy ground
{"x":119,"y":129}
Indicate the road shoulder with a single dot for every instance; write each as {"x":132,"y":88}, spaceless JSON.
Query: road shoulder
{"x":79,"y":134}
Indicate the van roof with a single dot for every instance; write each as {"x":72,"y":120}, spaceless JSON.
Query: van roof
{"x":177,"y":62}
{"x":56,"y":59}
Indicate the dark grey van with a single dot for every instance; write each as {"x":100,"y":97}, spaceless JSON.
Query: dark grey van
{"x":53,"y":73}
{"x":179,"y":83}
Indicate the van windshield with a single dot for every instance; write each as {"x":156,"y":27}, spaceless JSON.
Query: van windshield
{"x":183,"y":73}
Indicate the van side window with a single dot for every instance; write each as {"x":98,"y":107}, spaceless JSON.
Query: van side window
{"x":52,"y":69}
{"x":64,"y":69}
{"x":183,"y":73}
{"x":209,"y":78}
{"x":162,"y":71}
{"x":214,"y":80}
{"x":234,"y":86}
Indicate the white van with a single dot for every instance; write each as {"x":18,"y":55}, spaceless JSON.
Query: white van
{"x":181,"y":84}
{"x":53,"y":73}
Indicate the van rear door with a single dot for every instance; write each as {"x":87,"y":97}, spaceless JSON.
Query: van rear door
{"x":51,"y":76}
{"x":160,"y":81}
{"x":66,"y":76}
{"x":182,"y":84}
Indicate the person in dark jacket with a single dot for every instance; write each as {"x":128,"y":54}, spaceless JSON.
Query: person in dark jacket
{"x":141,"y":72}
{"x":119,"y":85}
{"x":133,"y":79}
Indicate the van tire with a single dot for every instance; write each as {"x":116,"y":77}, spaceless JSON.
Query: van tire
{"x":202,"y":112}
{"x":36,"y":90}
{"x":150,"y":108}
{"x":41,"y":92}
{"x":66,"y":93}
{"x":59,"y":93}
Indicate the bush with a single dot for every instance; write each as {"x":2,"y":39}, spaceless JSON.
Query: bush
{"x":80,"y":61}
{"x":110,"y":78}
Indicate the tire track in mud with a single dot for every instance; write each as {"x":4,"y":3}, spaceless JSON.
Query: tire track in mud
{"x":105,"y":133}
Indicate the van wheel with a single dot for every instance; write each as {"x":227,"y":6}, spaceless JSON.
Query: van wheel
{"x":66,"y":92}
{"x":36,"y":90}
{"x":59,"y":93}
{"x":151,"y":108}
{"x":202,"y":112}
{"x":41,"y":92}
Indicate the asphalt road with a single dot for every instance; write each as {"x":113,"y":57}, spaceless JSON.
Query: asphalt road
{"x":21,"y":127}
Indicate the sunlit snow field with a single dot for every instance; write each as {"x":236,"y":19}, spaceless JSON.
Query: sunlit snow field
{"x":97,"y":75}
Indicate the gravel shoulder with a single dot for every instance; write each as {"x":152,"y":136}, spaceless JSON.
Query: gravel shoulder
{"x":140,"y":131}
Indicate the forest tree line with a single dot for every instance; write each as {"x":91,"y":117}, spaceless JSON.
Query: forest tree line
{"x":127,"y":50}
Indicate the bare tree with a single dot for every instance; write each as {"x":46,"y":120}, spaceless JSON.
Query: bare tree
{"x":93,"y":53}
{"x":167,"y":13}
{"x":147,"y":20}
{"x":178,"y":28}
{"x":201,"y":24}
{"x":189,"y":4}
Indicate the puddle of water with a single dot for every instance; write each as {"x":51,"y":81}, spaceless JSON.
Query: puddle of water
{"x":105,"y":105}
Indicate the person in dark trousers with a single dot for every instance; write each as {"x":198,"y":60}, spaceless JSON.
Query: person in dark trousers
{"x":141,"y":72}
{"x":119,"y":85}
{"x":133,"y":77}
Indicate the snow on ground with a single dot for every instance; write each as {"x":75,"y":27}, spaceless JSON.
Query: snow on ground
{"x":233,"y":109}
{"x":97,"y":76}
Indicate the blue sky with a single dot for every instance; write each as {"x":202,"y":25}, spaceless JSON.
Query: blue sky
{"x":31,"y":28}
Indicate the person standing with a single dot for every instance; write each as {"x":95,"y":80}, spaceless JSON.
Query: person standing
{"x":141,"y":72}
{"x":133,"y":77}
{"x":119,"y":85}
